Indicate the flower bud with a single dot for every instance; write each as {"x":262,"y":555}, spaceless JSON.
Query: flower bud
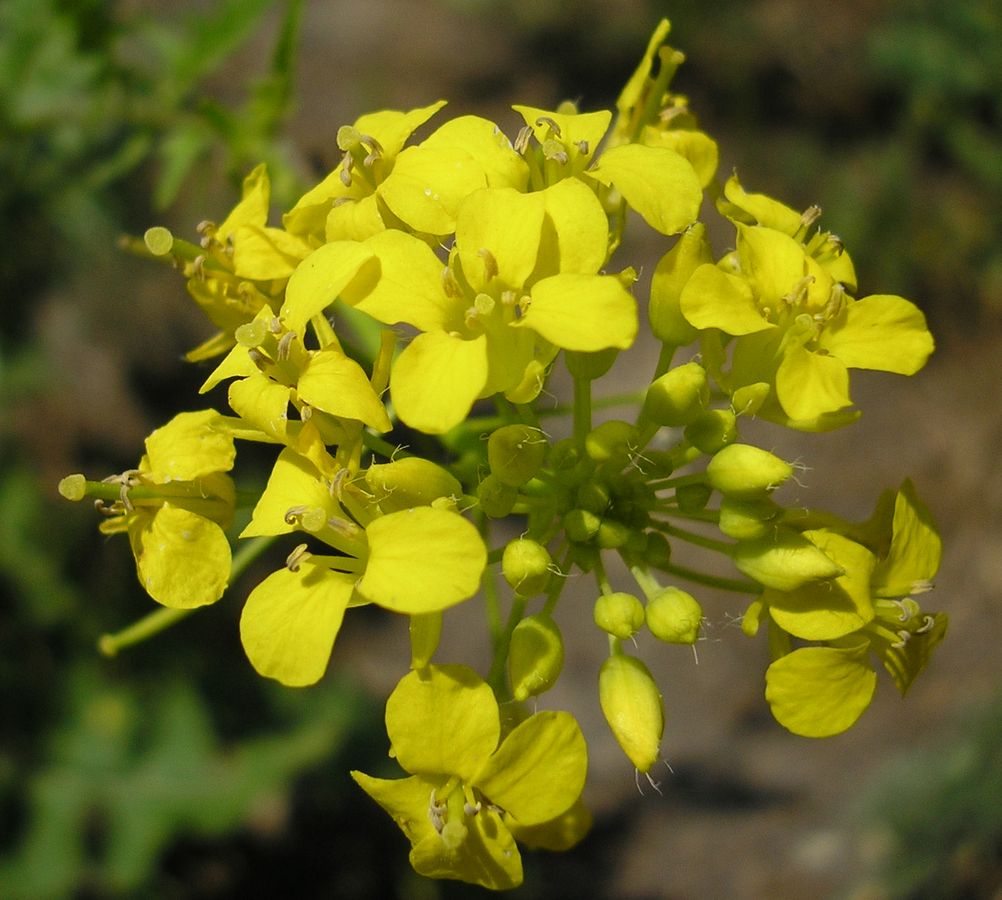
{"x":535,"y":656}
{"x":581,"y":526}
{"x":784,"y":560}
{"x":410,"y":482}
{"x":619,"y":614}
{"x":712,"y":430}
{"x":746,"y":472}
{"x":673,"y":271}
{"x":515,"y":453}
{"x":612,"y":534}
{"x":678,"y":396}
{"x":657,"y":552}
{"x":613,"y":440}
{"x":590,"y":365}
{"x":496,"y":498}
{"x":693,"y":497}
{"x":745,"y":520}
{"x":525,"y":565}
{"x":748,"y":400}
{"x":632,"y":705}
{"x":594,"y":497}
{"x":674,"y":616}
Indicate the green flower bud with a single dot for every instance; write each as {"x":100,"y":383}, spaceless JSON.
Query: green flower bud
{"x":564,"y":455}
{"x":748,"y":400}
{"x":535,"y":656}
{"x":619,"y":614}
{"x":657,"y":553}
{"x":525,"y":565}
{"x":673,"y":616}
{"x":745,"y":520}
{"x":784,"y":560}
{"x":712,"y":430}
{"x":515,"y":453}
{"x":612,"y":534}
{"x":581,"y":526}
{"x":410,"y":482}
{"x":613,"y":440}
{"x":746,"y":472}
{"x":690,"y":251}
{"x":496,"y":498}
{"x":632,"y":705}
{"x":693,"y":497}
{"x":678,"y":396}
{"x":593,"y":496}
{"x":590,"y":365}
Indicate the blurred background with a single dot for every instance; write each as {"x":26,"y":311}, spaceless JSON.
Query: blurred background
{"x":172,"y":770}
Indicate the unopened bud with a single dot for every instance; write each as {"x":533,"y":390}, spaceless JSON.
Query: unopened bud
{"x":692,"y":498}
{"x":674,"y":616}
{"x":525,"y":565}
{"x":410,"y":482}
{"x":746,"y":472}
{"x":515,"y":453}
{"x":619,"y":614}
{"x":745,"y":520}
{"x":581,"y":526}
{"x":785,"y":560}
{"x":712,"y":430}
{"x":613,"y":440}
{"x":590,"y":365}
{"x":633,"y":707}
{"x":748,"y":400}
{"x":678,"y":396}
{"x":535,"y":656}
{"x":496,"y":498}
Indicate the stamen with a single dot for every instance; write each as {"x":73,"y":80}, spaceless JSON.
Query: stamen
{"x":285,"y":345}
{"x":903,"y":638}
{"x":522,"y":139}
{"x":549,"y":123}
{"x":345,"y":175}
{"x":298,"y":556}
{"x":928,"y":623}
{"x":490,"y":263}
{"x":555,"y":150}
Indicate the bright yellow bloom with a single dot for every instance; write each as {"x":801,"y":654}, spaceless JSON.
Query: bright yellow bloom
{"x":174,"y":508}
{"x":412,"y":561}
{"x":469,"y":789}
{"x":522,"y":281}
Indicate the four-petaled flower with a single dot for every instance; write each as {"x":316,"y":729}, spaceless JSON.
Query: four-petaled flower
{"x":469,"y":788}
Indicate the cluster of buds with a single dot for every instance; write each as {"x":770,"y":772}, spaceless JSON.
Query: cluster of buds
{"x":430,"y":288}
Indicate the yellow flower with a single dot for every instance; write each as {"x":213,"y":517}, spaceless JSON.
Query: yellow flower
{"x":468,"y":793}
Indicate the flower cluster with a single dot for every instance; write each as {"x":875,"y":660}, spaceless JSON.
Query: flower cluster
{"x":422,"y":294}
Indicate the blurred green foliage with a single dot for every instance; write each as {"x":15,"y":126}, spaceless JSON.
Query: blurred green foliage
{"x":936,"y":817}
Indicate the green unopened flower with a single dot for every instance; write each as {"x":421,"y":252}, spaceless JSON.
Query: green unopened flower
{"x":468,"y":787}
{"x":535,"y":656}
{"x":633,"y":707}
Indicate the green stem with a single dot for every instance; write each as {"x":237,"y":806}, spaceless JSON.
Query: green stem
{"x":496,"y":677}
{"x":696,"y":539}
{"x":582,"y":410}
{"x":714,"y":581}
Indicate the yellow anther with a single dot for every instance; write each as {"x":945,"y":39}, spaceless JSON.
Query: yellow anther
{"x":553,"y":127}
{"x":490,"y":263}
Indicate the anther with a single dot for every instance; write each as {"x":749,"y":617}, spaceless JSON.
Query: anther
{"x":472,"y":809}
{"x":345,"y":175}
{"x":490,"y":263}
{"x":928,"y":623}
{"x":522,"y":139}
{"x":555,"y":150}
{"x":298,"y":556}
{"x":903,"y":638}
{"x":285,"y":345}
{"x":583,"y":148}
{"x":549,"y":123}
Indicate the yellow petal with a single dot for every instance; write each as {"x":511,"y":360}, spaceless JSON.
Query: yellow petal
{"x":713,"y":298}
{"x":436,"y":379}
{"x":188,"y":447}
{"x":422,"y":560}
{"x":183,"y":559}
{"x":582,"y":312}
{"x":290,"y":621}
{"x":293,"y":482}
{"x":338,"y":385}
{"x":575,"y":235}
{"x":263,"y":254}
{"x":657,"y":182}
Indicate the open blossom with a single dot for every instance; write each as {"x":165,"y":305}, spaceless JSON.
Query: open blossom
{"x":522,"y":280}
{"x":469,"y":788}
